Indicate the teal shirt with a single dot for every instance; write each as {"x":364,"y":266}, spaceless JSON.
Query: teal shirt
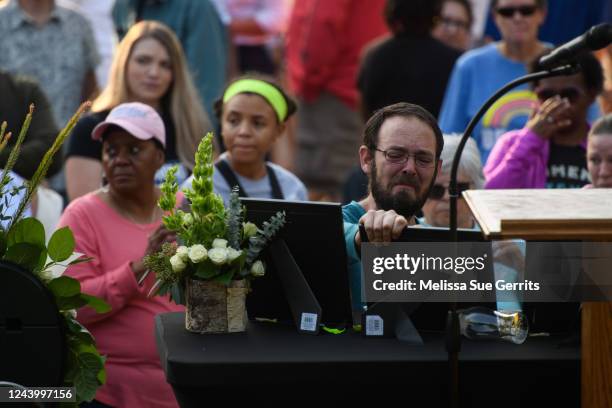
{"x":202,"y":34}
{"x":351,"y":213}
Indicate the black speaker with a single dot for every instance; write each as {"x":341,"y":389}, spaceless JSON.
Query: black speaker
{"x":32,"y":331}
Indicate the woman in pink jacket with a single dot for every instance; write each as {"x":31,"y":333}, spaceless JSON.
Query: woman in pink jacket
{"x":550,"y":151}
{"x":117,"y":226}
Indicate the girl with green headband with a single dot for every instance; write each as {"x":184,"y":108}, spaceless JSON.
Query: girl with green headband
{"x":253,"y":114}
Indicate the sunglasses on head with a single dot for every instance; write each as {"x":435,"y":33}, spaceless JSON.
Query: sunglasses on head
{"x":524,"y":11}
{"x":438,"y":190}
{"x":571,"y":94}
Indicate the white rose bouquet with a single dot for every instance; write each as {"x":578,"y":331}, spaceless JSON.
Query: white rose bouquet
{"x":216,"y":243}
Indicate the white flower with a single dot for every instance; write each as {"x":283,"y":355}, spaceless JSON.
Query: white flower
{"x":197,"y":253}
{"x":183,"y":252}
{"x":177,"y":263}
{"x":258,"y":269}
{"x":187,"y":219}
{"x":219,"y":243}
{"x":249,"y":228}
{"x":218,"y":256}
{"x":232,"y":254}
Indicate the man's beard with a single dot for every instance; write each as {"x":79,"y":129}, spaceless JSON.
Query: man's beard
{"x":401,"y":202}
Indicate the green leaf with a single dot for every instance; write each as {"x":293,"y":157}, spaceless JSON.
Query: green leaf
{"x":61,"y":244}
{"x":26,"y":255}
{"x":27,"y":230}
{"x":65,"y":287}
{"x":88,"y":349}
{"x":87,"y":378}
{"x":206,"y":270}
{"x":69,"y":303}
{"x":85,"y":338}
{"x":225,"y":278}
{"x":73,"y":325}
{"x":102,"y":376}
{"x":86,"y":384}
{"x":96,"y":303}
{"x":177,"y":294}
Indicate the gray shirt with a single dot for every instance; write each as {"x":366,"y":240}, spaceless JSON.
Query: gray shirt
{"x":57,"y":54}
{"x":291,"y":186}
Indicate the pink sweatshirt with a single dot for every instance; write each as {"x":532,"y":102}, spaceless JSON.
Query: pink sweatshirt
{"x":126,"y":335}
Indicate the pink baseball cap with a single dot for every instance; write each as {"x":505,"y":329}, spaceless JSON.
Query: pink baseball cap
{"x":138,"y":119}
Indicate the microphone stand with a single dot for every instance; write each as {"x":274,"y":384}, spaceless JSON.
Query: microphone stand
{"x":453,"y":335}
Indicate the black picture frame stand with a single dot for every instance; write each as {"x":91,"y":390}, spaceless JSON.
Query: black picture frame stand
{"x":305,"y":308}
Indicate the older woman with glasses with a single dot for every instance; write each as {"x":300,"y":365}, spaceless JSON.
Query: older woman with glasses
{"x":469,"y":177}
{"x":482,"y":71}
{"x":508,"y":255}
{"x":550,"y":151}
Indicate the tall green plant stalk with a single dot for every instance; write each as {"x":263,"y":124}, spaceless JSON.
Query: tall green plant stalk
{"x":42,"y":169}
{"x":12,"y":159}
{"x":4,"y":140}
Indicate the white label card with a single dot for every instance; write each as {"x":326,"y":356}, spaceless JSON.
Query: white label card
{"x":309,"y":322}
{"x":374,"y":325}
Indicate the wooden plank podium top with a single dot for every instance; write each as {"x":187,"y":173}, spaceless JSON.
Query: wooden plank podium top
{"x":541,"y":214}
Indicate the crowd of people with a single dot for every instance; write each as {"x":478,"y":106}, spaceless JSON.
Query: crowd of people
{"x":359,"y":101}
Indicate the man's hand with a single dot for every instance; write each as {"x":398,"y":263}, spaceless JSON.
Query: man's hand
{"x":381,"y":226}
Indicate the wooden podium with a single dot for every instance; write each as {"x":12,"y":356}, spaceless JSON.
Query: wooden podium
{"x":560,"y":214}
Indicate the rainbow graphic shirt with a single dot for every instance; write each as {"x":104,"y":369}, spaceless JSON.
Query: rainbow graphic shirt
{"x":475,"y":77}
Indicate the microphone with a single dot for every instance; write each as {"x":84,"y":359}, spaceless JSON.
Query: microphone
{"x":595,"y":38}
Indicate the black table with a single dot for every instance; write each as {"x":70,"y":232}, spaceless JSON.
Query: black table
{"x":272,"y":363}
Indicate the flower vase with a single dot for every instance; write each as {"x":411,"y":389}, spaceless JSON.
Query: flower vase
{"x":213,"y":307}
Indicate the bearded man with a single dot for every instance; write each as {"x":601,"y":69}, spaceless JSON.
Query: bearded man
{"x":400,"y":154}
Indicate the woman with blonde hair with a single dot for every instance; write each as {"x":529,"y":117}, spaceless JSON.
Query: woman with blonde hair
{"x":149,"y":67}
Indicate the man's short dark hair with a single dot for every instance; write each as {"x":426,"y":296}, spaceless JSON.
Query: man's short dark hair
{"x":372,"y":127}
{"x":412,"y":16}
{"x":542,"y":4}
{"x":590,"y":68}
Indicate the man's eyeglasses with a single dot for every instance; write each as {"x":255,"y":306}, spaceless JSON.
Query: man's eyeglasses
{"x":571,"y":94}
{"x":400,"y":156}
{"x":438,"y":190}
{"x":524,"y":11}
{"x":451,"y":23}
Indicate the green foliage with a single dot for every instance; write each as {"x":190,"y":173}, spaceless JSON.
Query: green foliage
{"x":64,"y":286}
{"x":28,"y":230}
{"x":258,"y":242}
{"x":23,"y":243}
{"x":26,"y":255}
{"x":61,"y":244}
{"x":86,"y":371}
{"x":220,"y":231}
{"x":234,"y":219}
